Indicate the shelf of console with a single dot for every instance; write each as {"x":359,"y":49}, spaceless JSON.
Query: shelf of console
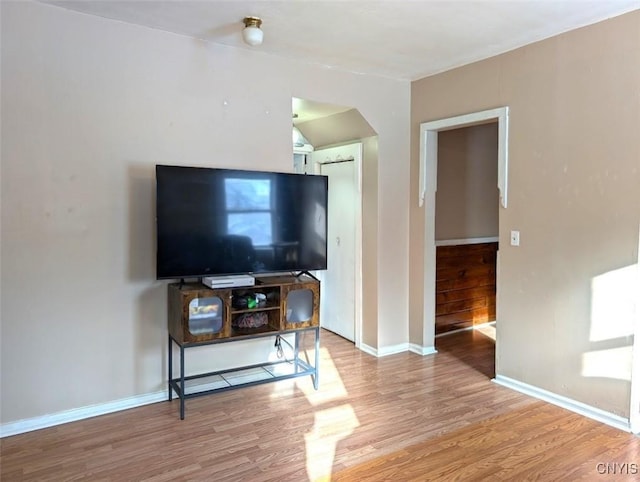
{"x":186,"y":387}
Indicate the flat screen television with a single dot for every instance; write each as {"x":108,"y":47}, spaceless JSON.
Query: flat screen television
{"x":215,"y":222}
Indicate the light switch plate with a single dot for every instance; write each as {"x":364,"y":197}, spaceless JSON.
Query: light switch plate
{"x":515,"y":238}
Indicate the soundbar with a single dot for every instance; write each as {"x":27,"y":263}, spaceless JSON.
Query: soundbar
{"x":228,"y":281}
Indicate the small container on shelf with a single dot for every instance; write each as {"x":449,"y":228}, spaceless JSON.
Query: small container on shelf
{"x":197,"y":313}
{"x":205,"y":315}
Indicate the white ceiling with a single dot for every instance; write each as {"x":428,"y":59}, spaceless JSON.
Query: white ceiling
{"x":401,"y":39}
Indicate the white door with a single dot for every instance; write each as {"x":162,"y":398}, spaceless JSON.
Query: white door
{"x":338,"y":282}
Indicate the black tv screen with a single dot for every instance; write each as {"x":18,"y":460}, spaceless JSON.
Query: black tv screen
{"x":214,"y":222}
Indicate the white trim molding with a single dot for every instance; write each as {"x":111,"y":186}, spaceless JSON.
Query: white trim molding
{"x":369,"y":350}
{"x":400,"y":348}
{"x":634,"y":402}
{"x":429,"y":147}
{"x":387,"y":350}
{"x":427,"y":196}
{"x":393,"y":349}
{"x":594,"y":413}
{"x":73,"y":415}
{"x":463,"y":241}
{"x":422,"y":350}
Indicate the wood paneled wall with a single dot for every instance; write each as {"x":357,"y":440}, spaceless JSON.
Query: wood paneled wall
{"x":465,"y":285}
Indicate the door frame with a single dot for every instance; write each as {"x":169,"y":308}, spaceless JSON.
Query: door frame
{"x":634,"y":402}
{"x":428,"y":184}
{"x":357,"y":154}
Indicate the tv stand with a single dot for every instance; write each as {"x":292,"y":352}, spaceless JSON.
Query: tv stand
{"x":199,"y":316}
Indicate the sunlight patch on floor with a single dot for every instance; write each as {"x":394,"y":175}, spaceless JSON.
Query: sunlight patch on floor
{"x":330,"y":427}
{"x":331,"y":386}
{"x":488,"y":330}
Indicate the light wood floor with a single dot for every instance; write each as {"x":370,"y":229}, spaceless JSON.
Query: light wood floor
{"x":401,"y":417}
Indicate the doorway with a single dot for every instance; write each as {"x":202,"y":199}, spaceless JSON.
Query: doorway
{"x":334,"y":134}
{"x":466,"y":227}
{"x":340,"y":303}
{"x":427,"y":197}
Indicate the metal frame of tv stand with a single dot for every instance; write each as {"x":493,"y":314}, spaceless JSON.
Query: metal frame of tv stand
{"x":300,"y":367}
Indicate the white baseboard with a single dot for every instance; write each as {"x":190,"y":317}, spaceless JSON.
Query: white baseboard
{"x":594,"y":413}
{"x":50,"y":420}
{"x":422,"y":350}
{"x":368,"y":349}
{"x":393,"y":349}
{"x":400,"y":348}
{"x":44,"y":421}
{"x":386,"y":350}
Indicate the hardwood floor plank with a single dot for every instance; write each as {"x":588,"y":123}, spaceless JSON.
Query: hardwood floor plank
{"x":539,"y":442}
{"x":400,"y":417}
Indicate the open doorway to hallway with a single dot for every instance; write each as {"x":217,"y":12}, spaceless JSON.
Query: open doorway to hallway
{"x":466,"y":228}
{"x":466,"y":233}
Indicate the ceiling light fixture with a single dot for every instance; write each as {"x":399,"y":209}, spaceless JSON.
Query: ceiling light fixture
{"x":298,"y":138}
{"x":252,"y":34}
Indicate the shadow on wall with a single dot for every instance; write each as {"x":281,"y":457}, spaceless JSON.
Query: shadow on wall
{"x":142,"y":227}
{"x":151,"y":298}
{"x":151,"y":334}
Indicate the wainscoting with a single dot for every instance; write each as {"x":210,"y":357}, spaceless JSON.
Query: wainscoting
{"x":465,"y":285}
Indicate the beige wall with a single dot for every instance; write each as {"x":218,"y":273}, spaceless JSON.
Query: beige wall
{"x":467,"y":192}
{"x":370,"y":244}
{"x":564,"y":308}
{"x":89,"y":106}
